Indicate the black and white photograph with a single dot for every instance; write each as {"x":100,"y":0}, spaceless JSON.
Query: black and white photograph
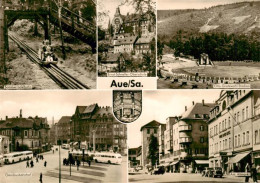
{"x":48,"y":44}
{"x":63,"y":136}
{"x":196,"y":136}
{"x":208,"y":44}
{"x":126,"y":38}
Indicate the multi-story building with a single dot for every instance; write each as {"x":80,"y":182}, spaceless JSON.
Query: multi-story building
{"x":63,"y":128}
{"x":133,"y":154}
{"x":97,"y":125}
{"x":4,"y":144}
{"x":147,"y":130}
{"x":186,"y":139}
{"x":54,"y":133}
{"x":26,"y":133}
{"x":161,"y":138}
{"x":233,"y":130}
{"x":256,"y":130}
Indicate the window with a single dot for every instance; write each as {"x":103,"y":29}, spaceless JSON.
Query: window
{"x":235,"y":141}
{"x":238,"y":117}
{"x":247,"y":137}
{"x":230,"y":145}
{"x":220,"y":127}
{"x":148,"y":131}
{"x":25,"y":133}
{"x":225,"y":124}
{"x":235,"y":118}
{"x":201,"y":128}
{"x":243,"y":114}
{"x":247,"y":116}
{"x":229,"y":123}
{"x":256,"y":136}
{"x":155,"y":130}
{"x":220,"y":146}
{"x":238,"y":140}
{"x":201,"y":139}
{"x":244,"y":138}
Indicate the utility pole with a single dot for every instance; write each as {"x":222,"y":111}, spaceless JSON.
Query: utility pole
{"x":61,"y":34}
{"x":2,"y":43}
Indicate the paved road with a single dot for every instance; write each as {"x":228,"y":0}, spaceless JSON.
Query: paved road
{"x":182,"y":178}
{"x":97,"y":173}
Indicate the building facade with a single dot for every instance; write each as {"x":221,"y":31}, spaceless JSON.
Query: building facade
{"x":63,"y":129}
{"x":186,"y":140}
{"x":133,"y":156}
{"x":4,"y":145}
{"x":98,"y":128}
{"x":27,"y":133}
{"x":147,"y":130}
{"x":233,"y":130}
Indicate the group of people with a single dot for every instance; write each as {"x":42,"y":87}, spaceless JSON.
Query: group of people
{"x":251,"y":169}
{"x":37,"y":157}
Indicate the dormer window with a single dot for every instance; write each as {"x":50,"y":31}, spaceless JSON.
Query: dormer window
{"x":197,"y":116}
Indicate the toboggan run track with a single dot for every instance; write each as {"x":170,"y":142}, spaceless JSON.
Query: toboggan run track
{"x":63,"y":79}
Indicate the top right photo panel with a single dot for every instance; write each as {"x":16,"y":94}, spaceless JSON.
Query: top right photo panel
{"x":204,"y":44}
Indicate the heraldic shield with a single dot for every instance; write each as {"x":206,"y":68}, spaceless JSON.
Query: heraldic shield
{"x":127,"y":105}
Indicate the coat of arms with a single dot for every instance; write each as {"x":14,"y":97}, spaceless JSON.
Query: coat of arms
{"x":127,"y":105}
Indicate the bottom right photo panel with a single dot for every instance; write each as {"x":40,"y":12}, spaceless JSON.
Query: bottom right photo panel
{"x":196,"y":136}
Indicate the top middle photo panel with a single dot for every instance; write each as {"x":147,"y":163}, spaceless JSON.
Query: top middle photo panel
{"x":126,"y":38}
{"x":208,"y":44}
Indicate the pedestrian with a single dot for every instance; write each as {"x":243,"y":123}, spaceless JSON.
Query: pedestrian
{"x":254,"y":173}
{"x":78,"y":163}
{"x":52,"y":151}
{"x":27,"y":164}
{"x":45,"y":163}
{"x":247,"y":169}
{"x":37,"y":159}
{"x":40,"y":178}
{"x":42,"y":157}
{"x":31,"y":163}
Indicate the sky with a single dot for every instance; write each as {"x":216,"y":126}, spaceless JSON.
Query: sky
{"x":192,"y":4}
{"x":109,"y":7}
{"x":161,"y":104}
{"x":49,"y":103}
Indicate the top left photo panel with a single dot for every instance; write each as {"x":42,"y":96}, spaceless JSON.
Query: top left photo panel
{"x":48,"y":44}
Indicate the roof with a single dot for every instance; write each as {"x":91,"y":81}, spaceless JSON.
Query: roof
{"x":19,"y":122}
{"x":86,"y":109}
{"x":126,"y":40}
{"x":144,"y":40}
{"x":151,"y":125}
{"x":103,"y":111}
{"x":197,"y":108}
{"x":64,"y":120}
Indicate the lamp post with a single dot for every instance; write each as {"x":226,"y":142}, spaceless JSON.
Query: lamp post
{"x":59,"y":143}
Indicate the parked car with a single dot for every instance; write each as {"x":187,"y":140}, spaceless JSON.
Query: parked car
{"x":159,"y":170}
{"x":217,"y":172}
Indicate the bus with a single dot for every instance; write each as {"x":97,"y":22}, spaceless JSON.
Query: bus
{"x":13,"y":157}
{"x":27,"y":155}
{"x":108,"y":157}
{"x":78,"y":155}
{"x":65,"y":146}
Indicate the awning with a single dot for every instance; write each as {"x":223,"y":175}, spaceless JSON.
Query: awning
{"x":75,"y":143}
{"x":174,"y":162}
{"x":237,"y":158}
{"x":202,"y":162}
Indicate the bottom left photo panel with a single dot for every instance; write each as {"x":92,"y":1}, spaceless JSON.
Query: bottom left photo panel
{"x":61,"y":136}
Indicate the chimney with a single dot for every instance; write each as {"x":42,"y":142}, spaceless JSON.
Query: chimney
{"x":193,"y":103}
{"x":203,"y":102}
{"x":6,"y":117}
{"x":185,"y":108}
{"x":21,"y":115}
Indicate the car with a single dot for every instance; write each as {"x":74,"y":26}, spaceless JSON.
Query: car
{"x":217,"y":172}
{"x":158,"y":171}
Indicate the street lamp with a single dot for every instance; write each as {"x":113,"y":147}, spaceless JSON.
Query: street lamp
{"x":59,"y":143}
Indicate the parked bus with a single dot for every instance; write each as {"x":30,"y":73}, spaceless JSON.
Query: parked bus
{"x":27,"y":155}
{"x":108,"y":157}
{"x":13,"y":157}
{"x":65,"y":146}
{"x":78,"y":155}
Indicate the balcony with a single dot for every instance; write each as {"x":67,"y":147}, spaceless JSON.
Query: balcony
{"x":185,"y":128}
{"x":184,"y":140}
